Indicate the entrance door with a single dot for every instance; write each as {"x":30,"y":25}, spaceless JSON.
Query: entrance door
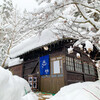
{"x":53,"y":82}
{"x":57,"y":75}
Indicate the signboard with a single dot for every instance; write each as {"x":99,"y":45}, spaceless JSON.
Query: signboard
{"x":44,"y":65}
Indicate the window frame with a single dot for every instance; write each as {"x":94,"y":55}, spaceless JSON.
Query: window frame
{"x":60,"y":59}
{"x":77,"y":65}
{"x":90,"y":64}
{"x":85,"y":67}
{"x":68,"y":61}
{"x":55,"y":70}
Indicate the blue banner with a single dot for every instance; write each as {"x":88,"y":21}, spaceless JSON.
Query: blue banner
{"x":44,"y":65}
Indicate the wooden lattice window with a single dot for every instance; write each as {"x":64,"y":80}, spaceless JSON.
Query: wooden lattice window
{"x":78,"y":65}
{"x":91,"y":68}
{"x":86,"y":67}
{"x":69,"y":63}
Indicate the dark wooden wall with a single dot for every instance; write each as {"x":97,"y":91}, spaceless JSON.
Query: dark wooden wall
{"x":30,"y":67}
{"x":74,"y":76}
{"x":17,"y":70}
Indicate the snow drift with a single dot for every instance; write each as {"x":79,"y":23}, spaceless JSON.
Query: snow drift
{"x":14,"y":87}
{"x":79,"y":91}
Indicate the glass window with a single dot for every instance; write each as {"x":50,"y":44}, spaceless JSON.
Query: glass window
{"x":91,"y":68}
{"x":86,"y":68}
{"x":30,"y":79}
{"x":78,"y":65}
{"x":30,"y":85}
{"x":69,"y":64}
{"x":56,"y":67}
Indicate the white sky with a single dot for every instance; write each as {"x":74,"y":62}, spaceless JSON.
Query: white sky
{"x":29,"y":5}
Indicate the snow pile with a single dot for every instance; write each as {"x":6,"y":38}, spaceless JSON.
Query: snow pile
{"x":88,"y":46}
{"x":98,"y":68}
{"x":79,"y":91}
{"x":70,"y":50}
{"x":15,"y":61}
{"x":30,"y":96}
{"x":99,"y":42}
{"x":78,"y":55}
{"x":80,"y":46}
{"x":14,"y":87}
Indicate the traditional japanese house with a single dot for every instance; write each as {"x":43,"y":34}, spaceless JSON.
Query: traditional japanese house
{"x":46,"y":58}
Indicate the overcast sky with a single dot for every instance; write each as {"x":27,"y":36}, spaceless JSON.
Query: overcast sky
{"x":29,"y":5}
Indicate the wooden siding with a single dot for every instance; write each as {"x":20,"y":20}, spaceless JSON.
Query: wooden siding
{"x":90,"y":78}
{"x":51,"y":84}
{"x":74,"y":77}
{"x":17,"y":70}
{"x":30,"y":67}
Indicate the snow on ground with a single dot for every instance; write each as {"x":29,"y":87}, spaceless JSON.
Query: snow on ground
{"x":30,"y":96}
{"x":14,"y":87}
{"x":79,"y":91}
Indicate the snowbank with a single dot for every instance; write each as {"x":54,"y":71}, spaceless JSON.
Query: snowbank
{"x":88,"y":46}
{"x":14,"y":87}
{"x":79,"y":91}
{"x":16,"y":61}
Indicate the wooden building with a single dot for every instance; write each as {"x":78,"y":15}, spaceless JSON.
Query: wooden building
{"x":63,"y":68}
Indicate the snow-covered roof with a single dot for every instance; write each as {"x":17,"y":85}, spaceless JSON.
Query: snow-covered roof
{"x":88,"y":45}
{"x":45,"y":38}
{"x":15,"y":61}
